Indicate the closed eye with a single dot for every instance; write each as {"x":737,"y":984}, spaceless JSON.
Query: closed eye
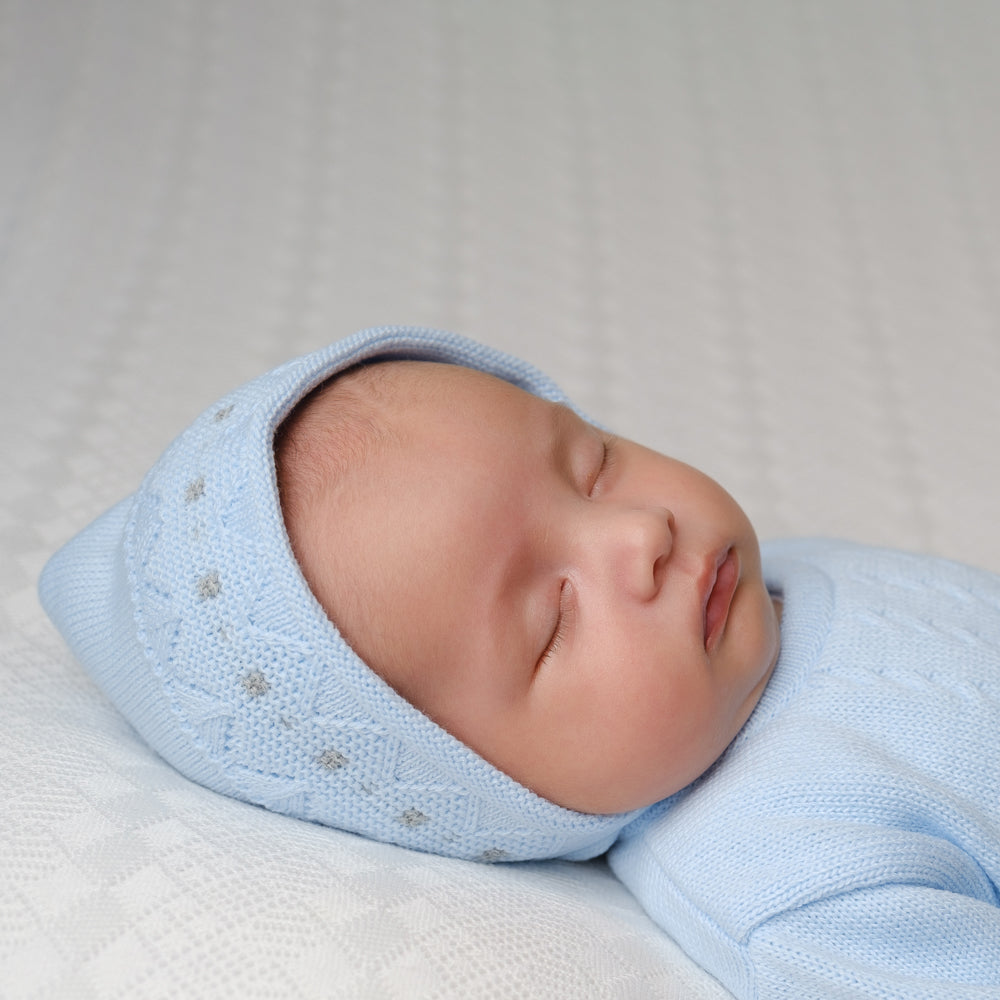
{"x":606,"y":464}
{"x":563,"y":623}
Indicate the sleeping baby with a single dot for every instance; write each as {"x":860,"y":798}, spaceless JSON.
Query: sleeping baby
{"x":402,"y":587}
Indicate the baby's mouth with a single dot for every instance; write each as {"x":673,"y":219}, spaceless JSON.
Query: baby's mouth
{"x":719,"y":596}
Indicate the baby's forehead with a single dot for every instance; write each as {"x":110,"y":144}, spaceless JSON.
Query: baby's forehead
{"x":357,"y":415}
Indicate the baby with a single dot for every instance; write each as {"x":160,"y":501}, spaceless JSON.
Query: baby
{"x":427,"y":601}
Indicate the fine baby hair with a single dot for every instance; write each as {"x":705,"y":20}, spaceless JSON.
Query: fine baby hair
{"x":186,"y":605}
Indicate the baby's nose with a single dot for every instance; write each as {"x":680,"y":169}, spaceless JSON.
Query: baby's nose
{"x":641,"y":539}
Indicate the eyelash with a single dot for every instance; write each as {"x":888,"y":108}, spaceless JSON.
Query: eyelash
{"x":563,"y":621}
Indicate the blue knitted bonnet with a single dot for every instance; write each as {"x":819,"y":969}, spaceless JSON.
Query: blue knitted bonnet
{"x":186,"y":605}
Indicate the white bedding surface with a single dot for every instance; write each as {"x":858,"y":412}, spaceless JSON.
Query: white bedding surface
{"x":763,"y":237}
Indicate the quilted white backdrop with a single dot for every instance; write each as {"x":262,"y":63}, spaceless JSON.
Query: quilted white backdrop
{"x":763,"y":237}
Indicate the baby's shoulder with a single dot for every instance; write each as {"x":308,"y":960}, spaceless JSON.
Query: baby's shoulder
{"x":845,"y":561}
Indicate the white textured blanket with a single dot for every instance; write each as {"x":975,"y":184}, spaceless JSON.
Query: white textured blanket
{"x":763,"y":237}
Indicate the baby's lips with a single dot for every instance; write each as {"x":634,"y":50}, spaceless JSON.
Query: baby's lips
{"x":719,"y":591}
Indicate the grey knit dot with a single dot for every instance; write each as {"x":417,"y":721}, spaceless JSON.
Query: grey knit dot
{"x":493,"y":854}
{"x":221,"y":415}
{"x":209,"y":586}
{"x":195,"y":490}
{"x":255,"y":684}
{"x":414,"y":817}
{"x":332,"y":760}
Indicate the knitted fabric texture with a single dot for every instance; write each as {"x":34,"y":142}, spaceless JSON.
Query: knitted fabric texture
{"x":186,"y":605}
{"x":848,"y":842}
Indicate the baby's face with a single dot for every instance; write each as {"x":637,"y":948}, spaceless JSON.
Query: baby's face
{"x":585,"y":613}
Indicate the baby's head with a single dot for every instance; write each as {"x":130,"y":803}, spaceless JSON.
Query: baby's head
{"x":586,"y":615}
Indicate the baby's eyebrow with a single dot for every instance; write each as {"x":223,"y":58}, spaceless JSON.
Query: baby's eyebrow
{"x":565,"y":430}
{"x":561,"y":425}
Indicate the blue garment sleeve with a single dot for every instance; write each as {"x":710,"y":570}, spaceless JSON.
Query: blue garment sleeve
{"x":904,"y":942}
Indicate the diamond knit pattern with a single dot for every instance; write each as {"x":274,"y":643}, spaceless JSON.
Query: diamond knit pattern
{"x":186,"y":605}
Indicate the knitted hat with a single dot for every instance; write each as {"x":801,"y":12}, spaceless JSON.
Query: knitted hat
{"x":186,"y":605}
